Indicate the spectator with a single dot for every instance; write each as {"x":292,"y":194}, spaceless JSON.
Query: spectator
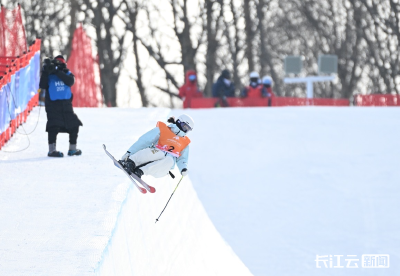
{"x":254,"y":89}
{"x":56,"y":80}
{"x":267,"y":89}
{"x":223,"y":88}
{"x":190,"y":89}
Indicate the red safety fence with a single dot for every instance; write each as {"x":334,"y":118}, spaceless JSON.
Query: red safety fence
{"x":10,"y":64}
{"x":18,"y":90}
{"x":276,"y":101}
{"x":87,"y":93}
{"x":286,"y":101}
{"x":19,"y":120}
{"x":12,"y":33}
{"x":377,"y":100}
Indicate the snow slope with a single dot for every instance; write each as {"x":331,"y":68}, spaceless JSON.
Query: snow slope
{"x":280,"y":185}
{"x":291,"y":183}
{"x":81,"y":216}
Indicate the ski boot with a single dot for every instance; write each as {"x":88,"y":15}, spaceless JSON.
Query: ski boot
{"x":128,"y":165}
{"x":53,"y":151}
{"x":75,"y":152}
{"x":55,"y":154}
{"x":138,"y":172}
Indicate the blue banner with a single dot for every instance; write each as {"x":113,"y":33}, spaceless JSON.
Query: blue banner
{"x":16,"y":94}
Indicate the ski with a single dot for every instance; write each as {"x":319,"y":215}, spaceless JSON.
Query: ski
{"x":144,"y":184}
{"x":141,"y":189}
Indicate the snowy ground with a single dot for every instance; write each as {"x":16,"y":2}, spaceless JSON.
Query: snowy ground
{"x":81,"y":216}
{"x":280,"y":185}
{"x":291,"y":183}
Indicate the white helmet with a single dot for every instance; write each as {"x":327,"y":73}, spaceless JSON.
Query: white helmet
{"x":267,"y":80}
{"x":186,"y":122}
{"x":254,"y":75}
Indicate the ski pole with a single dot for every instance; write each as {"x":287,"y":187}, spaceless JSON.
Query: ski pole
{"x":169,"y":199}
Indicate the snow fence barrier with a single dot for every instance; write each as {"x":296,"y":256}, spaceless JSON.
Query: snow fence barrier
{"x":183,"y":242}
{"x":276,"y":101}
{"x":19,"y":83}
{"x":87,"y":88}
{"x":377,"y":100}
{"x":12,"y":32}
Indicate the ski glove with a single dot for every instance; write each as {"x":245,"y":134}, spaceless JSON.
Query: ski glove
{"x":184,"y":172}
{"x":125,"y":156}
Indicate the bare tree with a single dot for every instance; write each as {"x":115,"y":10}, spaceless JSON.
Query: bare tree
{"x":110,"y":44}
{"x":132,"y":10}
{"x":234,"y":41}
{"x":335,"y":26}
{"x":74,"y":8}
{"x":213,"y":18}
{"x":265,"y":55}
{"x":182,"y":29}
{"x":153,"y":44}
{"x":380,"y":29}
{"x":238,"y":35}
{"x":46,"y":19}
{"x":183,"y":34}
{"x":248,"y":19}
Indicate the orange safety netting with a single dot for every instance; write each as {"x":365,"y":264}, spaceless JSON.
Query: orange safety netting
{"x":86,"y":90}
{"x":12,"y":33}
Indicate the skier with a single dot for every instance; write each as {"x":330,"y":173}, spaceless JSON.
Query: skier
{"x":157,"y":151}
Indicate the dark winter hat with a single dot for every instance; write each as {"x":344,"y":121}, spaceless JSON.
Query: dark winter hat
{"x":60,"y":58}
{"x":226,"y":74}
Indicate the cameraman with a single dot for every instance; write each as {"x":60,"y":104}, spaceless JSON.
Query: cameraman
{"x":57,"y":80}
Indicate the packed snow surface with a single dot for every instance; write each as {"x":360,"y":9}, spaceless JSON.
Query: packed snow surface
{"x":268,"y":190}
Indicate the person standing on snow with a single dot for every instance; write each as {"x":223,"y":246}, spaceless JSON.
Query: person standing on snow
{"x":223,"y":88}
{"x":266,"y":90}
{"x":254,"y":89}
{"x":157,"y":151}
{"x":56,"y":80}
{"x":190,"y":89}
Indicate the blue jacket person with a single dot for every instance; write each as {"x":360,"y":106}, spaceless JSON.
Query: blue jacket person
{"x":56,"y":80}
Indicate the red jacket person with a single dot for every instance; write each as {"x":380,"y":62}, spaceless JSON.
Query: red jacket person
{"x":190,"y":89}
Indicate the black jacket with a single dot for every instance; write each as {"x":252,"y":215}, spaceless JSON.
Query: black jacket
{"x":60,"y":113}
{"x":220,"y":89}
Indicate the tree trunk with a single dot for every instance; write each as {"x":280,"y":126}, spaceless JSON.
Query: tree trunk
{"x":249,"y":35}
{"x":110,"y":56}
{"x":188,"y":52}
{"x":265,"y":55}
{"x":212,"y":46}
{"x":139,"y":82}
{"x":73,"y":12}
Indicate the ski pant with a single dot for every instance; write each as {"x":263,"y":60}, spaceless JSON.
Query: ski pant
{"x":73,"y":134}
{"x":160,"y":165}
